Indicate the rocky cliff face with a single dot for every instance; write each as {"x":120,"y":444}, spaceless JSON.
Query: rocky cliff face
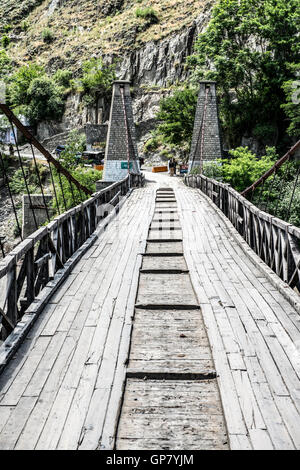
{"x":152,"y":70}
{"x":151,"y":56}
{"x":156,"y":66}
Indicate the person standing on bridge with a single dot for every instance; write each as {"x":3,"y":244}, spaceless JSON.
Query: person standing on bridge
{"x":11,"y":150}
{"x":171,"y":166}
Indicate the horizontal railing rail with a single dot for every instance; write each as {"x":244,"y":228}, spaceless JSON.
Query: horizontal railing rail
{"x":276,"y":242}
{"x":26,"y":270}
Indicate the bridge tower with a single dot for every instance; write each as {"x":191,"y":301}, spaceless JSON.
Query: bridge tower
{"x":121,"y":151}
{"x":206,"y":140}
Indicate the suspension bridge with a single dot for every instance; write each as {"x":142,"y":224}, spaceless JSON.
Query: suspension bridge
{"x":156,"y":313}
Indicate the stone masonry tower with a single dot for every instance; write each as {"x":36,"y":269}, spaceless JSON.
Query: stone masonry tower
{"x":121,"y":148}
{"x":206,"y":141}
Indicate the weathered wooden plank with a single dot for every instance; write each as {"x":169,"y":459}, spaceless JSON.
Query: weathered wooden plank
{"x":169,"y":341}
{"x":170,"y":413}
{"x":164,"y":263}
{"x":16,"y":423}
{"x":174,"y":290}
{"x":18,"y":386}
{"x":53,"y":427}
{"x":165,"y":235}
{"x":40,"y":412}
{"x":164,"y":248}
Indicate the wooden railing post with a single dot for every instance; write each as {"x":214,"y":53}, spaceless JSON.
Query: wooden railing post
{"x":12,"y":299}
{"x":29,"y":260}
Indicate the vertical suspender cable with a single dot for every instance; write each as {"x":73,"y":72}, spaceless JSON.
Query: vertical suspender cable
{"x":126,"y":127}
{"x":293,"y":193}
{"x":201,"y":132}
{"x":53,"y":186}
{"x":40,"y":182}
{"x":24,"y":176}
{"x":11,"y":196}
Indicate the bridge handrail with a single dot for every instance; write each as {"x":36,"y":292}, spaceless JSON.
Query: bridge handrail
{"x":275,"y":241}
{"x":36,"y":260}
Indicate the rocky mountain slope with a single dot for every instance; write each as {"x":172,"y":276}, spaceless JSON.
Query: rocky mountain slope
{"x":149,"y":53}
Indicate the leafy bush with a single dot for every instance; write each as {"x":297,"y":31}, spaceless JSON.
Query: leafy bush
{"x":20,"y":82}
{"x":165,"y":153}
{"x":66,"y":197}
{"x":151,"y":145}
{"x":176,"y":114}
{"x":71,"y":160}
{"x":244,"y":167}
{"x":25,"y":25}
{"x":32,"y":93}
{"x":5,"y":41}
{"x":17,"y":182}
{"x":5,"y":63}
{"x":5,"y":162}
{"x":148,"y":14}
{"x":284,"y":211}
{"x":46,"y":100}
{"x":7,"y":28}
{"x":63,"y":78}
{"x":47,"y":35}
{"x":213,"y":170}
{"x":96,"y":81}
{"x":70,"y":157}
{"x":292,"y":105}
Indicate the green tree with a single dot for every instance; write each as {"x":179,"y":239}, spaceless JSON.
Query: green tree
{"x":247,"y":49}
{"x":68,"y":198}
{"x":96,"y":81}
{"x":45,"y":100}
{"x":35,"y":95}
{"x":63,"y":78}
{"x":5,"y":41}
{"x":243,"y":168}
{"x":70,"y":158}
{"x":47,"y":35}
{"x":292,"y":105}
{"x":20,"y":82}
{"x":5,"y":64}
{"x":148,"y":14}
{"x":176,"y":116}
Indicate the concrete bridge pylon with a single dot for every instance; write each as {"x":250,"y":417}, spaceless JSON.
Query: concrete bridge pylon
{"x":121,"y":154}
{"x":206,"y":141}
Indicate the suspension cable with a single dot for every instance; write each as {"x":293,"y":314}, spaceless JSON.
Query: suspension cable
{"x":10,"y":195}
{"x":24,"y":175}
{"x":62,"y":190}
{"x":270,"y":190}
{"x":293,"y":193}
{"x":201,"y":132}
{"x":268,"y":173}
{"x":53,"y":186}
{"x":279,"y":198}
{"x":126,"y":128}
{"x":40,"y":182}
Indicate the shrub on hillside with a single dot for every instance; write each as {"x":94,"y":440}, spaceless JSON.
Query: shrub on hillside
{"x":148,"y":14}
{"x":5,"y":41}
{"x":47,"y":35}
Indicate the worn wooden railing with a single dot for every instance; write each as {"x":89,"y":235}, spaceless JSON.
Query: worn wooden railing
{"x":276,"y":242}
{"x":34,"y":262}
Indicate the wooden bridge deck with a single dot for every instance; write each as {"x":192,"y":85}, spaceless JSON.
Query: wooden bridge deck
{"x":64,"y":387}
